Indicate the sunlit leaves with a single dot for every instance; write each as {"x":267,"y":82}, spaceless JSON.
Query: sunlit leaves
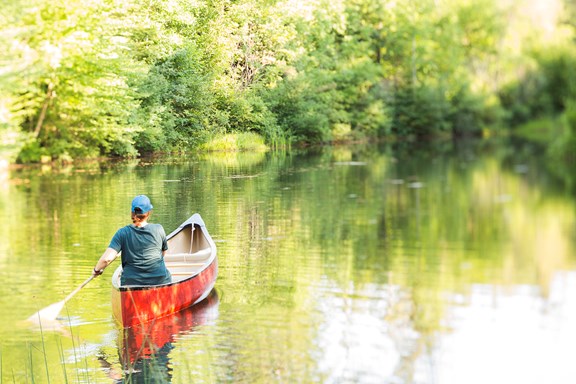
{"x":127,"y":77}
{"x":71,"y":77}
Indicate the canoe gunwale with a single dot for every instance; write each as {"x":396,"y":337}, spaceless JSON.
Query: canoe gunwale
{"x":125,"y":288}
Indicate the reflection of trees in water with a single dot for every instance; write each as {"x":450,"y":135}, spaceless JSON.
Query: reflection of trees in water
{"x":411,"y":340}
{"x":378,"y":334}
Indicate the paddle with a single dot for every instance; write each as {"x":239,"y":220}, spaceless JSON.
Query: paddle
{"x":50,"y":313}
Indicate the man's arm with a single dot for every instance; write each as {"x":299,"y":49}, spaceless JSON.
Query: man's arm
{"x":107,"y":257}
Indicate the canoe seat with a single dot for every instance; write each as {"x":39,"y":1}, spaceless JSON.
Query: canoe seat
{"x":181,"y":271}
{"x":201,"y":255}
{"x":172,"y":264}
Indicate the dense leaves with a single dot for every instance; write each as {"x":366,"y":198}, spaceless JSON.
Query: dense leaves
{"x":112,"y":77}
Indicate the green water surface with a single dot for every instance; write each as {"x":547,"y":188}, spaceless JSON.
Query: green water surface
{"x":440,"y":263}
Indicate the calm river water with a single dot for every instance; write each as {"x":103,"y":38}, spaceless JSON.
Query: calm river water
{"x":448,"y":263}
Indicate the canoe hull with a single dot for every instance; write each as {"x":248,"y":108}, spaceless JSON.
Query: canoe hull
{"x":135,"y":305}
{"x":150,"y":339}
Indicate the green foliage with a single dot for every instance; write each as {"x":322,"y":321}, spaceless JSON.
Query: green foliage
{"x":71,"y":84}
{"x":296,"y":106}
{"x":177,"y":97}
{"x":557,"y":66}
{"x":248,"y":141}
{"x":563,"y":148}
{"x":30,"y":153}
{"x":420,"y":111}
{"x":571,"y":118}
{"x":112,"y":77}
{"x":544,"y":90}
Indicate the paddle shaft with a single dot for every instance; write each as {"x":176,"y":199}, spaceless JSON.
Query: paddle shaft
{"x":50,"y":313}
{"x":78,"y":288}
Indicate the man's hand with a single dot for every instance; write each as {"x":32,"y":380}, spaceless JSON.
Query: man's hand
{"x":96,"y":272}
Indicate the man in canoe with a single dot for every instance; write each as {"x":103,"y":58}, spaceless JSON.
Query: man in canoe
{"x":143,"y":246}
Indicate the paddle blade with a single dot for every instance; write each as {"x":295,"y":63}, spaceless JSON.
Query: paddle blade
{"x":48,"y":314}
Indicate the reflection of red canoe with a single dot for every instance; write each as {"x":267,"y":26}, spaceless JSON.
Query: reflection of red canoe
{"x":191,"y":259}
{"x":148,"y":340}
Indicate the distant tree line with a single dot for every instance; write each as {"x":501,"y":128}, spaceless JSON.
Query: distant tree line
{"x":125,"y":77}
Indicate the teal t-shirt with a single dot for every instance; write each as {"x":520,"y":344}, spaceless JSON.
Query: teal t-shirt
{"x":142,"y":260}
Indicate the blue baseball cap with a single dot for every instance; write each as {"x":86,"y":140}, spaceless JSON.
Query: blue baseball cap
{"x":141,"y":204}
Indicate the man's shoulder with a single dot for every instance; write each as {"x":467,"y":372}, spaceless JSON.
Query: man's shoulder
{"x":126,"y":229}
{"x":123,"y":230}
{"x":157,"y":227}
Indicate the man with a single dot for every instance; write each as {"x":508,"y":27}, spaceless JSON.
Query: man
{"x":142,"y":246}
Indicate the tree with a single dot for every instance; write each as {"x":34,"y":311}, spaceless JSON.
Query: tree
{"x":71,"y":80}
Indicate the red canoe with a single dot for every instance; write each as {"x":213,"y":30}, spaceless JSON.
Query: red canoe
{"x":191,"y":259}
{"x":148,"y":340}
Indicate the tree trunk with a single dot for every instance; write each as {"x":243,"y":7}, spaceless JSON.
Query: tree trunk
{"x":49,"y":95}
